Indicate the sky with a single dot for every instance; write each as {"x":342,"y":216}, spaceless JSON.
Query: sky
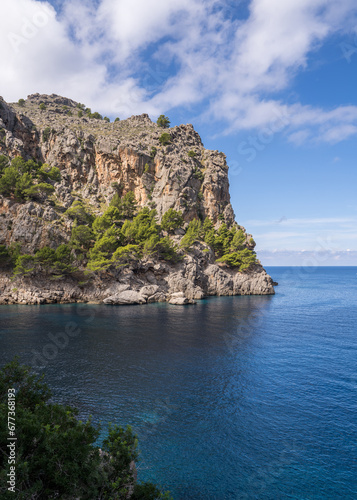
{"x":270,"y":83}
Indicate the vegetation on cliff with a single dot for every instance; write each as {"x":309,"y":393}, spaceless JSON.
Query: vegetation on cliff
{"x":56,"y":453}
{"x":121,"y":235}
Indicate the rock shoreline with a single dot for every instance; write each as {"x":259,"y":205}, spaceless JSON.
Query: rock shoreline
{"x":148,"y":282}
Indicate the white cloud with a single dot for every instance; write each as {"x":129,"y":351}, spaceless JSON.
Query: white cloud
{"x":151,"y":55}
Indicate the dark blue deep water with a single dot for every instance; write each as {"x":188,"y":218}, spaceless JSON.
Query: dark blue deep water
{"x":234,"y":398}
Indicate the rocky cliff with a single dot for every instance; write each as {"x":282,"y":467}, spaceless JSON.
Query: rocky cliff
{"x":97,"y":160}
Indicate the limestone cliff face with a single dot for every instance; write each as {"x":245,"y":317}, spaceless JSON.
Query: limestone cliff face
{"x":96,"y":159}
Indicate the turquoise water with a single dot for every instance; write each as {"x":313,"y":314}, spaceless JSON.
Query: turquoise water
{"x":234,"y":398}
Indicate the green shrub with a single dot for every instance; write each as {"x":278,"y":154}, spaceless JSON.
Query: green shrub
{"x":25,"y":265}
{"x":8,"y":181}
{"x":79,"y":213}
{"x":126,"y":255}
{"x":198,"y":174}
{"x":46,"y":172}
{"x":126,"y":205}
{"x":82,"y":238}
{"x":163,"y":121}
{"x":117,"y":119}
{"x":46,"y":134}
{"x":243,"y":259}
{"x":21,"y":102}
{"x":42,"y":106}
{"x":107,"y":244}
{"x":46,"y":257}
{"x":171,"y":220}
{"x":141,"y":227}
{"x":57,"y":455}
{"x":146,"y":168}
{"x":193,"y":233}
{"x":165,"y":139}
{"x":191,"y":154}
{"x":153,"y":152}
{"x":106,"y":119}
{"x":39,"y":191}
{"x":4,"y":163}
{"x":80,"y":114}
{"x":102,"y":223}
{"x":5,"y":257}
{"x":238,"y":241}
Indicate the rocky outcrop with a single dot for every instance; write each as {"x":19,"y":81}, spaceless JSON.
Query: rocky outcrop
{"x":98,"y":159}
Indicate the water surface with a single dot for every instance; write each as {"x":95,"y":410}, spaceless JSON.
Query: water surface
{"x":233,"y":398}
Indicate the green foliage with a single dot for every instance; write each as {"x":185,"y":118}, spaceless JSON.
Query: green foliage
{"x":5,"y":257}
{"x":96,"y":115}
{"x":163,"y":121}
{"x":39,"y":191}
{"x":79,"y":213}
{"x":46,"y":134}
{"x":126,"y":255}
{"x":127,"y":205}
{"x":243,"y":259}
{"x":4,"y":163}
{"x":56,"y":454}
{"x":238,"y":241}
{"x":21,"y":102}
{"x":117,"y":119}
{"x":191,"y":154}
{"x":223,"y":240}
{"x":193,"y":233}
{"x":106,"y":119}
{"x":165,"y":138}
{"x":49,"y":261}
{"x":8,"y":181}
{"x":198,"y":174}
{"x":17,"y":179}
{"x":25,"y":265}
{"x":141,"y":227}
{"x":252,"y":242}
{"x":111,"y":216}
{"x":153,"y":152}
{"x":82,"y":238}
{"x":148,"y":491}
{"x":63,"y":261}
{"x":146,"y":169}
{"x":81,"y":106}
{"x":42,"y":106}
{"x":46,"y":257}
{"x":107,"y":244}
{"x":80,"y":113}
{"x":171,"y":220}
{"x":46,"y":173}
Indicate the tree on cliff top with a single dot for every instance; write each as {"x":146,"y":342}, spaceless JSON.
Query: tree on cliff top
{"x":56,"y":455}
{"x":163,"y":121}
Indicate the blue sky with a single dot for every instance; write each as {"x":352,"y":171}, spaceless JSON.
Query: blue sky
{"x":270,"y":83}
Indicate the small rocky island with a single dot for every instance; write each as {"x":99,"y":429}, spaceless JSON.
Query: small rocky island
{"x":128,"y":212}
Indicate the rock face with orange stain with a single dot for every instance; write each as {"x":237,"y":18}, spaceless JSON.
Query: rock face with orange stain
{"x":98,"y":159}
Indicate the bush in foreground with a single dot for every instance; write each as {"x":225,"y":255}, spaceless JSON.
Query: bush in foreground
{"x":55,"y":452}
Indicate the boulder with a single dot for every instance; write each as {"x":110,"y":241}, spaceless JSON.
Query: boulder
{"x":128,"y":297}
{"x":178,"y":299}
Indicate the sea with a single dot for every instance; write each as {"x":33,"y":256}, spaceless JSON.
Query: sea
{"x":233,"y":398}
